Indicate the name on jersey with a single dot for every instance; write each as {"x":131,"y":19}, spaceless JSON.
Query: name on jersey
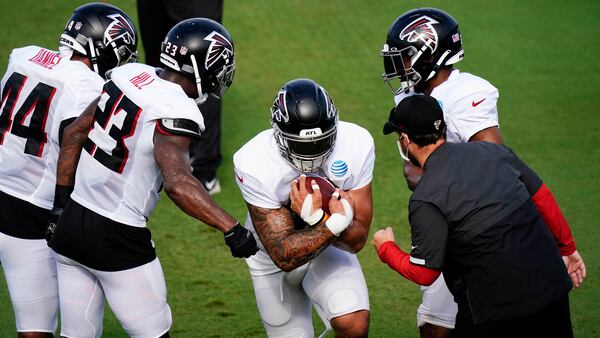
{"x":46,"y":58}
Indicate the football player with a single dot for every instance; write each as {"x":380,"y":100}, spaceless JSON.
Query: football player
{"x":421,"y":48}
{"x":419,"y":54}
{"x":128,"y":144}
{"x":42,"y":92}
{"x":311,"y":260}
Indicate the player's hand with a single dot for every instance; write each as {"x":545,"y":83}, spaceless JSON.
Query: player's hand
{"x":342,"y":212}
{"x":305,"y":204}
{"x":382,"y":236}
{"x":241,"y":242}
{"x":575,"y":268}
{"x":335,"y":203}
{"x":412,"y":174}
{"x":52,"y":221}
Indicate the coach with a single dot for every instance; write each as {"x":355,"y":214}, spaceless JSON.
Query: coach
{"x":485,"y":219}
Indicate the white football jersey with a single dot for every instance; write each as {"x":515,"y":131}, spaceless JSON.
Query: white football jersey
{"x":39,"y":90}
{"x":264,"y":176}
{"x":117,"y":176}
{"x":469,"y":105}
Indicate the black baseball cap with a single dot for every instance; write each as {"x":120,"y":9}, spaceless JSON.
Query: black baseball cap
{"x":415,"y":115}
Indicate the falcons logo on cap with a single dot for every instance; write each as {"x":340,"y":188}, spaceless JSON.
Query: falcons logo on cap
{"x":421,"y":29}
{"x":119,"y":28}
{"x":219,"y":47}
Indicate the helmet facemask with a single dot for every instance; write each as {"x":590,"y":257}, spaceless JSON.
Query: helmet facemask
{"x":223,"y":79}
{"x":122,"y":55}
{"x":400,"y":75}
{"x":306,"y":153}
{"x":125,"y":55}
{"x":220,"y":82}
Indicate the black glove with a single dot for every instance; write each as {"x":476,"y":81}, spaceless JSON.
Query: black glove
{"x":52,"y":221}
{"x":61,"y":196}
{"x":240,"y":242}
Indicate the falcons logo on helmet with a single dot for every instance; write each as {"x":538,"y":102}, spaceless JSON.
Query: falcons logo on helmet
{"x":219,"y":47}
{"x":331,"y":111}
{"x":278,"y":111}
{"x":421,"y":29}
{"x":119,"y":28}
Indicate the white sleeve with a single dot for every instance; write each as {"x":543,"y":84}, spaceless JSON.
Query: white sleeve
{"x":366,"y":172}
{"x":475,"y":112}
{"x":254,"y":191}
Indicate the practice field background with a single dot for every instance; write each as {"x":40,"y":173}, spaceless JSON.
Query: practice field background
{"x":542,"y":55}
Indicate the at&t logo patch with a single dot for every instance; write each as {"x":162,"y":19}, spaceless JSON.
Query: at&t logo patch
{"x":339,"y":168}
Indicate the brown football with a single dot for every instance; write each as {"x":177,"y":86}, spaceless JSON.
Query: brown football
{"x":326,"y":186}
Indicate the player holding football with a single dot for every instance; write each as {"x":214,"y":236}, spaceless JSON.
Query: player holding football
{"x":310,"y":260}
{"x":421,"y":48}
{"x":135,"y":139}
{"x":42,"y":92}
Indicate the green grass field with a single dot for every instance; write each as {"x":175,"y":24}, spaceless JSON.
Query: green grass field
{"x":542,"y":55}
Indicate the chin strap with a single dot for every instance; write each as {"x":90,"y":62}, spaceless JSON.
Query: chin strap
{"x":438,"y":65}
{"x":201,"y":95}
{"x":94,"y":58}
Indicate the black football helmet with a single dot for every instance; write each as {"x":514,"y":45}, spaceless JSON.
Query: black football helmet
{"x":304,"y":121}
{"x":203,"y":50}
{"x":418,"y":44}
{"x":104,"y":34}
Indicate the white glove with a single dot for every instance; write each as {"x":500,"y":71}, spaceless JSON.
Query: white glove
{"x":338,"y":222}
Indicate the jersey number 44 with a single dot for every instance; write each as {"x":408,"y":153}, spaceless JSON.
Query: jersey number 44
{"x":36,"y":104}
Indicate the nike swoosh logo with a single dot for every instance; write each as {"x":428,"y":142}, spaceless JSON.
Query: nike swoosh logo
{"x":475,"y":104}
{"x":211,"y":184}
{"x":412,"y":247}
{"x":240,"y":178}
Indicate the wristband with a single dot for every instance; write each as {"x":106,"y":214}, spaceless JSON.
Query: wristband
{"x":61,"y":195}
{"x":232,"y":230}
{"x":324,"y":219}
{"x":338,"y":222}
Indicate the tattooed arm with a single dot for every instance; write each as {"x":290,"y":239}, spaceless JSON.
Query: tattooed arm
{"x":288,"y":247}
{"x":72,"y":142}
